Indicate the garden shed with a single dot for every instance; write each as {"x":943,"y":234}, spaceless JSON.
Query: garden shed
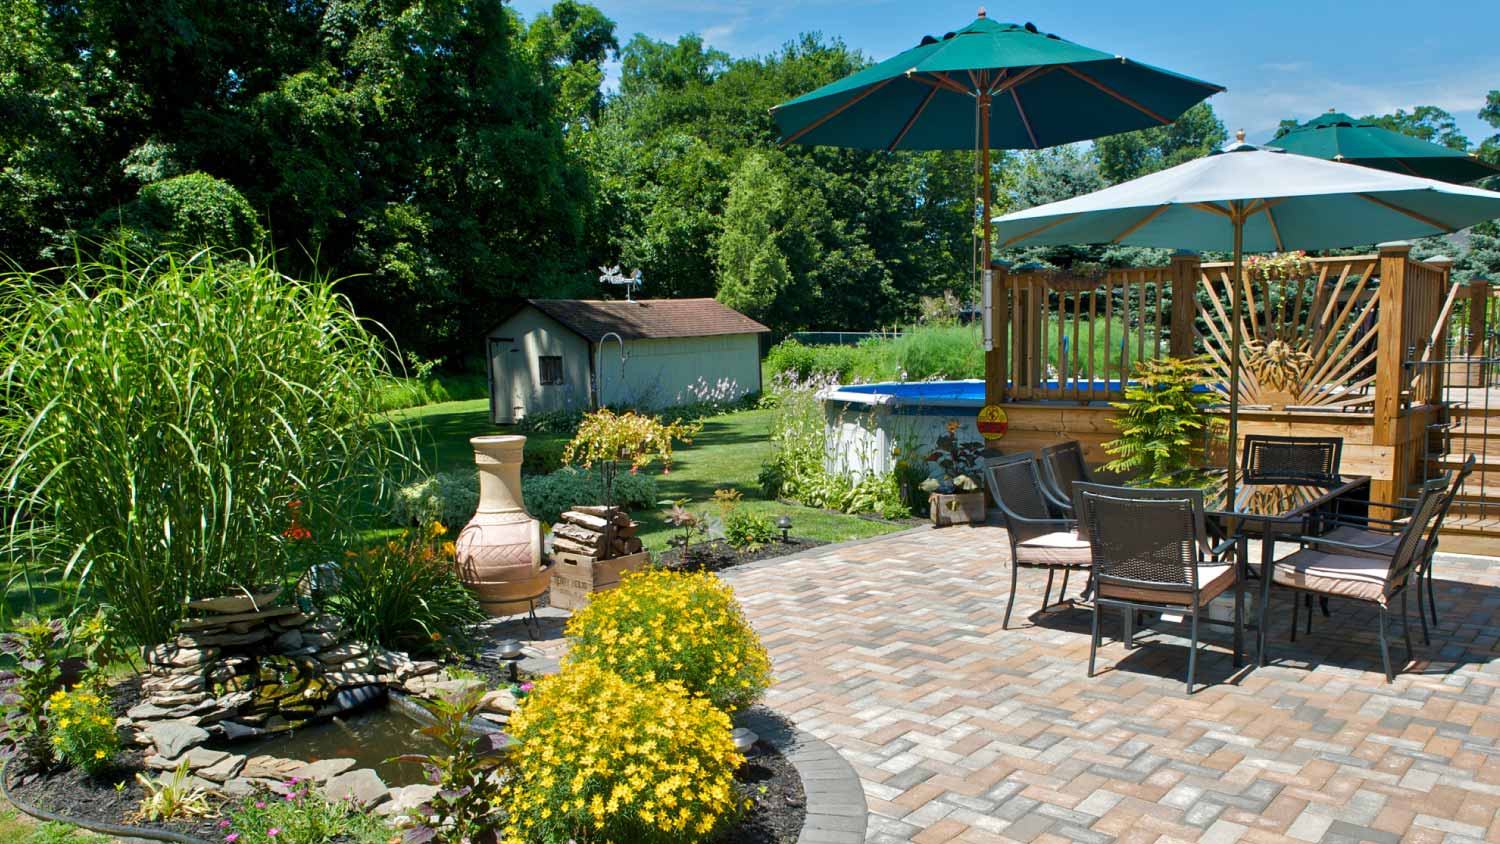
{"x":551,"y":355}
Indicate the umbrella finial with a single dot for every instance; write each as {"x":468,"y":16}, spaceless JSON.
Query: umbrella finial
{"x":1239,"y":135}
{"x":1331,"y":109}
{"x":981,"y":11}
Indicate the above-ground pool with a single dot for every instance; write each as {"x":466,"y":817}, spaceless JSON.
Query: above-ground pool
{"x":866,"y":422}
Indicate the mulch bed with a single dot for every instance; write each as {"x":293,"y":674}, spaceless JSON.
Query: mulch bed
{"x":717,"y":556}
{"x":72,"y":793}
{"x":778,"y":806}
{"x":777,"y":809}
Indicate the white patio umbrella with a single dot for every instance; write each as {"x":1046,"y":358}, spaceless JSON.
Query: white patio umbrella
{"x":1259,"y":199}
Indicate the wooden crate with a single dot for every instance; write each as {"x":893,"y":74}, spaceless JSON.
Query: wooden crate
{"x":957,"y":509}
{"x":577,"y":577}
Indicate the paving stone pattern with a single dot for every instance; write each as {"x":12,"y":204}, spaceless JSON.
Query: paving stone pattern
{"x":891,"y":650}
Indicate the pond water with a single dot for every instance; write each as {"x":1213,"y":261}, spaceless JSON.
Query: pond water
{"x":369,"y":737}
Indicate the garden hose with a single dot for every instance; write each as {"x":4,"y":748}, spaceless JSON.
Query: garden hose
{"x":115,"y":830}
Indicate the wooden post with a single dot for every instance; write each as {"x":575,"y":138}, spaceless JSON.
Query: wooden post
{"x":1390,"y":369}
{"x":1186,"y":268}
{"x":1435,"y":376}
{"x":997,"y":358}
{"x":1479,"y":299}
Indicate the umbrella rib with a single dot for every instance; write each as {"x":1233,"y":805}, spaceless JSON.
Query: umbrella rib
{"x":911,"y":121}
{"x":941,"y":80}
{"x":1024,"y":76}
{"x":1025,"y":121}
{"x":1266,"y":208}
{"x":836,"y":112}
{"x":1113,"y":93}
{"x":1139,"y":224}
{"x":1407,"y":211}
{"x":1038,"y":230}
{"x":1209,"y":206}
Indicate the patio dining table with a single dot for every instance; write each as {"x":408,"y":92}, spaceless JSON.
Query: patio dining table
{"x":1263,"y":510}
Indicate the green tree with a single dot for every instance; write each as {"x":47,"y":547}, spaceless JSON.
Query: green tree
{"x":1429,"y":123}
{"x":1132,"y":154}
{"x":753,"y":269}
{"x":185,"y":213}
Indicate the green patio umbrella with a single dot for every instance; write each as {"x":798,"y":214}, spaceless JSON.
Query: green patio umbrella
{"x":1245,"y":198}
{"x":990,"y":85}
{"x":1338,"y":137}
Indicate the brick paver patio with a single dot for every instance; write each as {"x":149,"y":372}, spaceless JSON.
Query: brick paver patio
{"x":892,"y":652}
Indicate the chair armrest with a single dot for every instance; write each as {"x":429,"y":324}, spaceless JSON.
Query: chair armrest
{"x":1219,"y":550}
{"x":1064,"y":523}
{"x":1332,"y":543}
{"x":1395,"y":526}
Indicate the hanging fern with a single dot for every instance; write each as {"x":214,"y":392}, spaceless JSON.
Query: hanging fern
{"x":1165,"y":427}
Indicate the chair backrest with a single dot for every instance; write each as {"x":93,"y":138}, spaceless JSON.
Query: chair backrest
{"x":1423,"y":517}
{"x":1064,"y":463}
{"x":1143,"y":538}
{"x":1015,"y":482}
{"x":1453,"y":489}
{"x":1272,"y":459}
{"x":1138,"y":493}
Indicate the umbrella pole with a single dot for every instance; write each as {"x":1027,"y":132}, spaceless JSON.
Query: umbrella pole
{"x":984,"y":163}
{"x":1236,"y":309}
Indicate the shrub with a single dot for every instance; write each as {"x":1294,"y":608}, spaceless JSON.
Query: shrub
{"x":790,"y":357}
{"x":607,"y":438}
{"x":662,"y":625}
{"x":95,"y":636}
{"x":463,"y":810}
{"x":404,"y":593}
{"x":415,"y":391}
{"x":542,"y":457}
{"x":1165,"y":425}
{"x":83,"y":730}
{"x":599,"y":759}
{"x":547,"y":496}
{"x":925,"y":352}
{"x":298,"y":813}
{"x":748,"y":531}
{"x":33,"y":645}
{"x":447,"y":497}
{"x":156,"y":422}
{"x":188,"y":212}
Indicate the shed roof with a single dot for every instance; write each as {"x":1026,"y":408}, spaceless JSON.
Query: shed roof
{"x":647,"y":319}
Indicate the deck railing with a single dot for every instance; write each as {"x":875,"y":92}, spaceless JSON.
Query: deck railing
{"x":1333,"y":335}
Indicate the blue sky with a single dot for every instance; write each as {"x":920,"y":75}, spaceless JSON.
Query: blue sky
{"x":1279,"y":58}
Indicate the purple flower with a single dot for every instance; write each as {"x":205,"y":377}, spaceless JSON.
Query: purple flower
{"x":223,"y":824}
{"x":232,"y":837}
{"x":273,"y":832}
{"x":260,"y":804}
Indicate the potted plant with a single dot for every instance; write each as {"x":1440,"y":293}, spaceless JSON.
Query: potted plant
{"x":954,"y":496}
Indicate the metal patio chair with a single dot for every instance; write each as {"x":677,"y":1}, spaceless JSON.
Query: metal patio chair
{"x":1348,"y":570}
{"x":1041,"y":535}
{"x":1151,"y":553}
{"x":1064,"y":467}
{"x":1306,"y":460}
{"x":1380,"y":537}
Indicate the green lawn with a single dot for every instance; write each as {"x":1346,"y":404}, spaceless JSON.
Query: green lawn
{"x":728,"y":453}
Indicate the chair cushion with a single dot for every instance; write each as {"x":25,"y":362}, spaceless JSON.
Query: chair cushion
{"x":1361,"y":536}
{"x":1212,"y":581}
{"x":1052,"y":550}
{"x":1358,"y":576}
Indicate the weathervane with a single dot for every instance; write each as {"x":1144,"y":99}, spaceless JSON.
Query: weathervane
{"x":612,"y":275}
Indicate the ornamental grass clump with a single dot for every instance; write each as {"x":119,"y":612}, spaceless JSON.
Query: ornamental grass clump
{"x":158,"y":419}
{"x":600,"y":759}
{"x":662,"y":626}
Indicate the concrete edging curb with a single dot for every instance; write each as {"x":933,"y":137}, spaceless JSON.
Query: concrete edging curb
{"x":836,"y":808}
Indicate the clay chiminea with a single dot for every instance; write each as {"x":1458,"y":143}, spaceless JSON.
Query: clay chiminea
{"x":500,"y":550}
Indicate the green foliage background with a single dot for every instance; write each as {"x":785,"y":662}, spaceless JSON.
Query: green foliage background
{"x":445,"y":156}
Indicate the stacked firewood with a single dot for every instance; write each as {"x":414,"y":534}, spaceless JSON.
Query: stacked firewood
{"x":596,"y":533}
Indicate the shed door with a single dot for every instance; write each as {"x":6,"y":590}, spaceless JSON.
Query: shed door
{"x":507,"y":398}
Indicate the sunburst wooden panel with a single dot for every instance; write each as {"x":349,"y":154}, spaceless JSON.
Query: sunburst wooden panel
{"x":1310,"y":340}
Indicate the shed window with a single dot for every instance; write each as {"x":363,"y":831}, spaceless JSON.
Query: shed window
{"x":551,"y":368}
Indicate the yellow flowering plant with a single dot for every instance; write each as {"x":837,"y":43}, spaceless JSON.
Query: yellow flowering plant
{"x":82,"y":730}
{"x":661,"y":625}
{"x":600,"y":759}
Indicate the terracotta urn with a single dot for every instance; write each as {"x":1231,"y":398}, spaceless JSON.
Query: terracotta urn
{"x":499,"y":551}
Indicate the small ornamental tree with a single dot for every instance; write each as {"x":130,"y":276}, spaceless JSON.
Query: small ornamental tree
{"x":608,"y":439}
{"x":1165,"y":426}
